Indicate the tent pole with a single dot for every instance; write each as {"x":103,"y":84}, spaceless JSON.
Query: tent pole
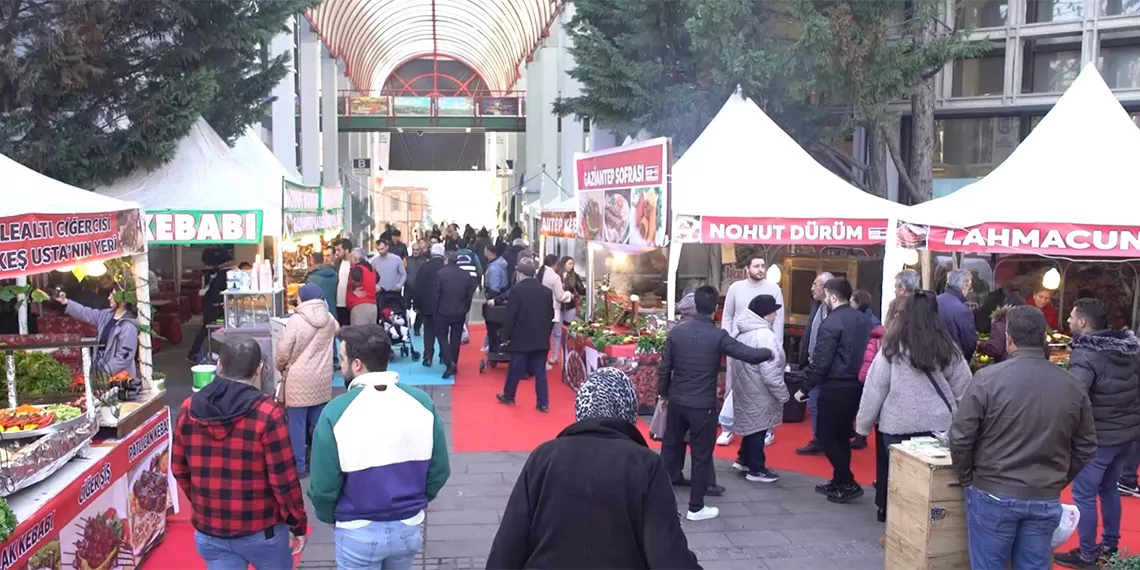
{"x":22,"y":307}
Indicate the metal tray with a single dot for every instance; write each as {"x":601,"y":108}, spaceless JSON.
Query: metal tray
{"x":29,"y":434}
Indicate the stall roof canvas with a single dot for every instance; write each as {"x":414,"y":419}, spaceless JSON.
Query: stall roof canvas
{"x":567,"y":205}
{"x":29,"y":192}
{"x":253,"y":152}
{"x":744,"y":165}
{"x":1078,"y":166}
{"x":204,"y":175}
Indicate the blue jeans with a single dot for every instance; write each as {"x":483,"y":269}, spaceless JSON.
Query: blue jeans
{"x":379,"y":545}
{"x":1006,"y":532}
{"x":813,"y":407}
{"x":240,"y":553}
{"x":302,"y":421}
{"x":523,"y":365}
{"x":1099,"y":478}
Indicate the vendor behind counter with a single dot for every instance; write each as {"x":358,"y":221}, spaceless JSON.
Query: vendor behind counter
{"x":117,"y":330}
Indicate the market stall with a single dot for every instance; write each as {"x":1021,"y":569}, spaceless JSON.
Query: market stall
{"x":558,"y":228}
{"x":1009,"y":227}
{"x":59,"y":512}
{"x":312,"y":217}
{"x":622,"y":209}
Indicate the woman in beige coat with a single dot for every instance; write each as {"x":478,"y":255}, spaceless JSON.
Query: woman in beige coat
{"x":548,"y":276}
{"x":305,"y":358}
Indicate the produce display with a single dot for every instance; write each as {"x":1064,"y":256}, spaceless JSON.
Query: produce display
{"x":31,"y":418}
{"x":102,"y":539}
{"x":49,"y":556}
{"x":40,"y":373}
{"x":8,"y":520}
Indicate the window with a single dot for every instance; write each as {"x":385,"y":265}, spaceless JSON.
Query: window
{"x":979,"y":76}
{"x":395,"y":205}
{"x":971,"y":148}
{"x":1120,"y":66}
{"x":1041,"y":11}
{"x":1051,"y":64}
{"x":1119,"y":7}
{"x":982,"y":14}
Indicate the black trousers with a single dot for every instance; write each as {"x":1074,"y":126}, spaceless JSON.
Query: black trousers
{"x":751,"y":454}
{"x":449,"y":330}
{"x":700,"y":424}
{"x":838,"y":406}
{"x":342,"y":316}
{"x":210,"y":314}
{"x":883,"y":441}
{"x":430,"y":339}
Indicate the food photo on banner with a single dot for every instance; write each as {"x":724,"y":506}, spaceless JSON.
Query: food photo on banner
{"x":35,"y":243}
{"x":498,"y":106}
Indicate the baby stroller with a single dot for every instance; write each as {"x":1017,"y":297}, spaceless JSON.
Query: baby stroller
{"x":394,"y":318}
{"x":493,"y":316}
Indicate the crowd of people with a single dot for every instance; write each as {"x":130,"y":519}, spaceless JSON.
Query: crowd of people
{"x":1019,"y":430}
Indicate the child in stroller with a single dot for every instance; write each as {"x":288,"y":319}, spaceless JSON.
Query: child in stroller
{"x":394,"y":319}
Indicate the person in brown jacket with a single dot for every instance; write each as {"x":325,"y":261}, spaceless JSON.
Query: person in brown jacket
{"x":305,"y":359}
{"x":1022,"y":432}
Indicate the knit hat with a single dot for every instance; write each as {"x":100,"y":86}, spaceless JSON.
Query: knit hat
{"x":526,"y":266}
{"x":606,"y":393}
{"x":437,"y":250}
{"x":310,"y":291}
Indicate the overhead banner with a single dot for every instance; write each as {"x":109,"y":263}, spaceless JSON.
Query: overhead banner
{"x":298,"y":197}
{"x":1040,"y":239}
{"x":297,"y":223}
{"x":188,"y":227}
{"x":559,"y":224}
{"x":780,"y":231}
{"x":623,"y":195}
{"x":36,"y":243}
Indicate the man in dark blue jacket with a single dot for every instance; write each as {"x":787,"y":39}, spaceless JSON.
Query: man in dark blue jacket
{"x":954,"y":312}
{"x":687,"y":379}
{"x":834,"y":369}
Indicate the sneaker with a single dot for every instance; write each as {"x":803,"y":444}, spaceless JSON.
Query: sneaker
{"x":859,"y":442}
{"x":845,"y":493}
{"x":825,"y":488}
{"x":542,"y":409}
{"x":1072,"y":559}
{"x":812,"y":448}
{"x":504,"y":400}
{"x":770,"y":438}
{"x":740,"y":467}
{"x":1105,"y":554}
{"x":763,"y":476}
{"x":725,"y":437}
{"x":1126,"y":491}
{"x":704,"y":514}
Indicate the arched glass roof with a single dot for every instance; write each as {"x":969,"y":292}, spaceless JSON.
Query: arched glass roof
{"x":375,"y":36}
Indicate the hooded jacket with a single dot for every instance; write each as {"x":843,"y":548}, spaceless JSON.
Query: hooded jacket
{"x":119,"y":353}
{"x":305,"y":355}
{"x":236,"y":421}
{"x":871,"y":351}
{"x":325,"y":277}
{"x":596,"y":497}
{"x":758,"y":390}
{"x":1106,"y":362}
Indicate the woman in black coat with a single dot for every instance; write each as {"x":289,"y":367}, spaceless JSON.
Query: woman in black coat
{"x":596,"y":484}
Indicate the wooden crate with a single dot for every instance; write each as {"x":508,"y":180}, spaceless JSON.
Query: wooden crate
{"x":926,"y":514}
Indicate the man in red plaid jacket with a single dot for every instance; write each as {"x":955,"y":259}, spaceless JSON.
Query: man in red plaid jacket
{"x":233,"y":460}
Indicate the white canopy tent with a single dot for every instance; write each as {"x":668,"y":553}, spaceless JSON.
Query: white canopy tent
{"x":744,"y":165}
{"x":205,"y":175}
{"x":250,"y":150}
{"x":1083,"y":151}
{"x":561,"y":209}
{"x":33,"y":193}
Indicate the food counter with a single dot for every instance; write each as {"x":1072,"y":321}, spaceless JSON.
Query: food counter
{"x":587,"y":347}
{"x":104,"y":510}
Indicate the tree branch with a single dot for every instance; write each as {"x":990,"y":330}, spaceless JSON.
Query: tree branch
{"x":896,"y":157}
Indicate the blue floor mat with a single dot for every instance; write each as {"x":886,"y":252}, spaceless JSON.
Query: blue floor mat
{"x":411,"y":370}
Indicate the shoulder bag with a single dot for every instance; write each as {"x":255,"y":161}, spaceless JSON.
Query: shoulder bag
{"x":941,"y":394}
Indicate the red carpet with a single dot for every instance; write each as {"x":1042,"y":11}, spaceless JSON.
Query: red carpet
{"x":480,"y":423}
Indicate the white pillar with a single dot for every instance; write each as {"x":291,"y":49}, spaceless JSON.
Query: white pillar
{"x":551,"y":143}
{"x":284,"y":108}
{"x":329,"y":114}
{"x":573,"y":133}
{"x":532,"y":145}
{"x":308,"y":66}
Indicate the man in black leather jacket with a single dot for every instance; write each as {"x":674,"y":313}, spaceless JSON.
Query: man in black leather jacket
{"x":834,"y":367}
{"x":687,"y":379}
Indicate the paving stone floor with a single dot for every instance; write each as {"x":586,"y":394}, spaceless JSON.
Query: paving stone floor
{"x":780,"y":526}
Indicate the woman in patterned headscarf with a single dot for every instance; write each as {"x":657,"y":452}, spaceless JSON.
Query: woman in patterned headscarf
{"x":597,"y":483}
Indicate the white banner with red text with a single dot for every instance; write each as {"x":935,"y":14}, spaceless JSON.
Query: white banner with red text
{"x":1041,"y":239}
{"x":779,"y":231}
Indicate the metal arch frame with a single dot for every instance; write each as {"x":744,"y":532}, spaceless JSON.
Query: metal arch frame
{"x":411,"y":41}
{"x":416,"y":56}
{"x":349,"y":28}
{"x":461,"y":89}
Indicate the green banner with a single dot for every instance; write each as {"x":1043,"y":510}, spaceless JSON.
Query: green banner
{"x":189,"y":227}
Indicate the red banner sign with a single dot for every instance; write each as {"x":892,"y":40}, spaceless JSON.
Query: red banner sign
{"x":792,"y":231}
{"x":559,"y":224}
{"x":1042,"y":239}
{"x":117,"y":494}
{"x":35,"y":243}
{"x":641,"y":166}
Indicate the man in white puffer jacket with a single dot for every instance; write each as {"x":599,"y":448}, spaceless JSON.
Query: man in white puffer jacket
{"x":759,"y":391}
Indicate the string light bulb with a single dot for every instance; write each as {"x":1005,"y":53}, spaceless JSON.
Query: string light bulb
{"x":910,"y":257}
{"x":1051,"y":280}
{"x":96,"y":269}
{"x":773,"y":274}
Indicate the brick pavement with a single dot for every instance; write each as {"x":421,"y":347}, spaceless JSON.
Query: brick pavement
{"x":775,"y":527}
